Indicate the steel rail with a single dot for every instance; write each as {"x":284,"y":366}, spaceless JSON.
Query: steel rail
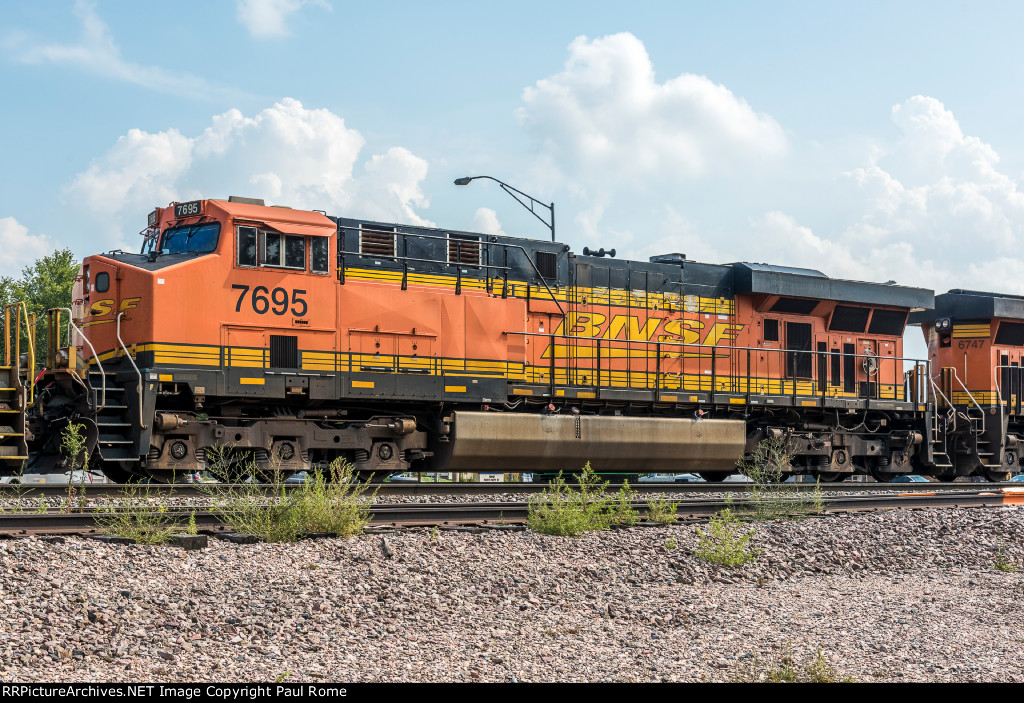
{"x":187,"y":490}
{"x":448,"y":514}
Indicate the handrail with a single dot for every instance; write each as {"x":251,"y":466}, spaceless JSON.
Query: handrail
{"x":30,"y":335}
{"x":999,"y":393}
{"x":73,"y":326}
{"x":942,"y":395}
{"x":483,"y":244}
{"x":976,"y":404}
{"x":707,"y":351}
{"x":137,"y":372}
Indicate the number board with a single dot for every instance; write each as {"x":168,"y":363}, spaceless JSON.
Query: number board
{"x":188,"y":209}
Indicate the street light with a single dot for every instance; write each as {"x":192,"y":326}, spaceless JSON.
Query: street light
{"x":515,"y":193}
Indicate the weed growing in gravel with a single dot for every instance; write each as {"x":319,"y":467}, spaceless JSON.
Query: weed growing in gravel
{"x":725,"y":541}
{"x":771,"y":500}
{"x":73,"y":447}
{"x":566,"y":511}
{"x":18,"y":489}
{"x":785,"y":668}
{"x":334,"y":504}
{"x":192,"y":529}
{"x":133,"y":517}
{"x":670,"y":543}
{"x":661,"y":510}
{"x":1003,"y":563}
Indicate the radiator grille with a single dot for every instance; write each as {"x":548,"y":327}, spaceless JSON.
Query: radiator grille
{"x":377,"y":242}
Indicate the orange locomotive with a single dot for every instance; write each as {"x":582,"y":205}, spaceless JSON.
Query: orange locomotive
{"x":294,"y":338}
{"x":975,"y":344}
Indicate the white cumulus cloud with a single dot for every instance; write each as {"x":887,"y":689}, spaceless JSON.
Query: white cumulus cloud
{"x":486,"y":220}
{"x":269,"y":18}
{"x":605,"y":119}
{"x":18,"y":248}
{"x":287,"y":154}
{"x":938,"y":196}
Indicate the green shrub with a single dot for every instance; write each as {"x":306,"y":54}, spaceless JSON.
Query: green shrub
{"x":1004,"y":564}
{"x":563,"y":510}
{"x":133,"y":516}
{"x":73,"y":447}
{"x":335,"y":505}
{"x":661,"y":510}
{"x":785,"y":668}
{"x":725,"y":541}
{"x":771,"y":499}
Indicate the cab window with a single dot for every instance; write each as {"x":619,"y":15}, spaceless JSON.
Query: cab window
{"x":195,"y":239}
{"x":258,"y":247}
{"x":247,"y":237}
{"x":284,"y":250}
{"x":318,"y":254}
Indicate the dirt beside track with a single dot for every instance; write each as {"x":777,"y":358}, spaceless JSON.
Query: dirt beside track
{"x":890,"y":596}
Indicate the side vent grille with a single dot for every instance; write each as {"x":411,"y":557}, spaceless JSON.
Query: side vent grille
{"x":463,"y":250}
{"x":547,"y":264}
{"x":284,"y":352}
{"x":377,"y":242}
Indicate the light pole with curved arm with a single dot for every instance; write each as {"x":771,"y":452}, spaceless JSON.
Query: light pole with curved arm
{"x":516,"y":193}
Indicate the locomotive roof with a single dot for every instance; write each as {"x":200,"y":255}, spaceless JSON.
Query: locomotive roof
{"x":808,"y":283}
{"x":972,"y":304}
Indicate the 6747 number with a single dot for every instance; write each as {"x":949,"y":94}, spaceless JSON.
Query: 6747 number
{"x":276,"y":301}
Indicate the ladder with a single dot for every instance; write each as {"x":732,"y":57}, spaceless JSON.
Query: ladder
{"x":16,"y":393}
{"x":116,"y":431}
{"x":13,"y":444}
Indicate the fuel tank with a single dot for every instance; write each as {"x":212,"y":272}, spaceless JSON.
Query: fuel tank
{"x":534,"y":442}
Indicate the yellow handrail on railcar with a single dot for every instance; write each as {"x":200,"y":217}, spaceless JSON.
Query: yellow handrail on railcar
{"x":30,"y":328}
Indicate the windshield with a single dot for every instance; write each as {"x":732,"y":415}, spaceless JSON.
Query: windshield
{"x":200,"y":239}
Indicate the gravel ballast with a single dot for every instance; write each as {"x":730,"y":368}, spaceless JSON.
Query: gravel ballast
{"x":887,"y":596}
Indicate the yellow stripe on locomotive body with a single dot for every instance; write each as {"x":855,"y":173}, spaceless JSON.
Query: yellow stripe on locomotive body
{"x":972,"y":331}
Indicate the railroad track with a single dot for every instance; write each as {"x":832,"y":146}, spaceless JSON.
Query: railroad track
{"x":506,"y":513}
{"x":467,"y":489}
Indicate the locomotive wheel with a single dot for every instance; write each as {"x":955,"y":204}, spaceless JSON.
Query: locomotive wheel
{"x":713,"y":477}
{"x":996,"y":475}
{"x":946,"y":478}
{"x":831,"y":476}
{"x":881,"y":476}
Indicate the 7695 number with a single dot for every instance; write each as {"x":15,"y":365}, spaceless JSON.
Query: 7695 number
{"x":276,"y":300}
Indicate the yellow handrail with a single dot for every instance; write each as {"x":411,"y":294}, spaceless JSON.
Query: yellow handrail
{"x":15,"y":362}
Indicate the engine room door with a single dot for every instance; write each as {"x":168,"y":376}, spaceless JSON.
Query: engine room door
{"x":868,"y":368}
{"x":799,"y":362}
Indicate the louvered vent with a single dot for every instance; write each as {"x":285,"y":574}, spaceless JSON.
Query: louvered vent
{"x":463,"y":250}
{"x":377,"y":242}
{"x":547,"y":264}
{"x":284,"y":352}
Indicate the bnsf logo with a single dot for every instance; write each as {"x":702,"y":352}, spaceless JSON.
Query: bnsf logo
{"x":627,"y":327}
{"x":102,"y":308}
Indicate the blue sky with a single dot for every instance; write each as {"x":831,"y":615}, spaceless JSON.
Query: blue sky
{"x":870,"y":140}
